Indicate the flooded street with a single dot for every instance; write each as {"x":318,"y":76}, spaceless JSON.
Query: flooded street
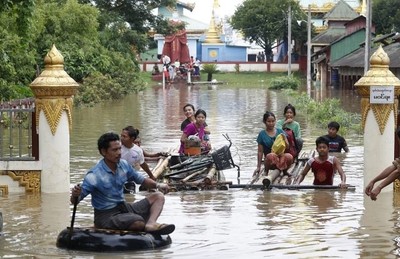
{"x":215,"y":224}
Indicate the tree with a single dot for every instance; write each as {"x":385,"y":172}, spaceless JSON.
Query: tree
{"x":265,"y":22}
{"x":91,"y":56}
{"x":17,"y":58}
{"x":138,"y":14}
{"x":386,"y":16}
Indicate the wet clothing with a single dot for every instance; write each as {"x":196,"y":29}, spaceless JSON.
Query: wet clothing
{"x":323,"y":172}
{"x":191,"y":129}
{"x":266,"y":141}
{"x":187,"y":122}
{"x":106,"y":189}
{"x":336,"y":144}
{"x":133,"y":155}
{"x":294,"y":125}
{"x":281,"y":162}
{"x":123,"y":215}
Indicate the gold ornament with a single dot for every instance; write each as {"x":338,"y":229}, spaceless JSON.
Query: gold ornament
{"x":378,"y":75}
{"x":29,"y":179}
{"x":53,"y":110}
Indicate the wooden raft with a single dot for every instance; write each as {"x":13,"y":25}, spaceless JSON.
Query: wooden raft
{"x":276,"y":177}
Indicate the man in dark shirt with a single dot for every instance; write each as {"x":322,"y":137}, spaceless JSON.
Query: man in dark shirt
{"x":336,"y":142}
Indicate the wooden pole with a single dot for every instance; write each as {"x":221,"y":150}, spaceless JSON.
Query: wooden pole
{"x":289,"y":51}
{"x":309,"y":50}
{"x":368,"y":23}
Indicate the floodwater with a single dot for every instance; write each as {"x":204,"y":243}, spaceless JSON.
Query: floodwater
{"x":216,"y":224}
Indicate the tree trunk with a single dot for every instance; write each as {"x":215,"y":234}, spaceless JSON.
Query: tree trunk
{"x":209,"y":77}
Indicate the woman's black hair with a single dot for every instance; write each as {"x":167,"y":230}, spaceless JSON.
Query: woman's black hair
{"x":268,"y":114}
{"x":291,"y":107}
{"x":190,"y":105}
{"x":200,"y":111}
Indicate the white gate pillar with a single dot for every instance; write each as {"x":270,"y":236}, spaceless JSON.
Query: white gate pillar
{"x":53,"y":90}
{"x":379,"y":89}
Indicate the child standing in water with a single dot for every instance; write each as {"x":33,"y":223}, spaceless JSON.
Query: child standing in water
{"x":323,"y":166}
{"x":336,"y":142}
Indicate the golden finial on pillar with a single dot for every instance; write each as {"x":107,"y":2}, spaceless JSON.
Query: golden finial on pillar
{"x":379,"y":75}
{"x":53,"y":90}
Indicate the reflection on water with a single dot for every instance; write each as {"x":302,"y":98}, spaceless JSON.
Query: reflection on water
{"x":214,"y":224}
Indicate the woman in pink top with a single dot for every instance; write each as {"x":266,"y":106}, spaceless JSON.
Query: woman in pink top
{"x":196,"y":128}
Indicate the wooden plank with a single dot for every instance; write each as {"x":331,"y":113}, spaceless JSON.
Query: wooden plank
{"x":294,"y":187}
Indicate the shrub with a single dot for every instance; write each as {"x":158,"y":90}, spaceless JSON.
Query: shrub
{"x":209,"y":68}
{"x":321,"y":113}
{"x":285,"y":82}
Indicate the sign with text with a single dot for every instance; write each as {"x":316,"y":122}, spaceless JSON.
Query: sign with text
{"x":381,"y":94}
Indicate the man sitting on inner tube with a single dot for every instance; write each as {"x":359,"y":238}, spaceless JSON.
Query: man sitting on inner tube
{"x":105,"y":184}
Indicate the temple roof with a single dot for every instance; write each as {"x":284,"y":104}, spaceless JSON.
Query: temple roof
{"x":328,"y":36}
{"x":341,"y":12}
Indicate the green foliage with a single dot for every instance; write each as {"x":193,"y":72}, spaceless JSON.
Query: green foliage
{"x":94,"y":45}
{"x":285,"y":82}
{"x":17,"y":62}
{"x":209,"y":68}
{"x":98,"y":87}
{"x":264,"y":22}
{"x":321,"y":113}
{"x":138,"y":14}
{"x":386,"y":16}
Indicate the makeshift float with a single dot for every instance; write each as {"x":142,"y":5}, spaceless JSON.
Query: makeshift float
{"x":109,"y":240}
{"x":276,"y":179}
{"x":196,"y":171}
{"x":104,"y":240}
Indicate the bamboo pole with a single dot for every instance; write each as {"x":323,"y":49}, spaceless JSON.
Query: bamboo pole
{"x":157,"y":165}
{"x":210,"y":175}
{"x":160,"y":169}
{"x":187,"y":178}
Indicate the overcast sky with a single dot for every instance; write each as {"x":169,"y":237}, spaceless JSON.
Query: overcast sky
{"x":203,"y":8}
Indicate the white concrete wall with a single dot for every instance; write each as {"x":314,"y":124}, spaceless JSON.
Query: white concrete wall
{"x":245,"y":66}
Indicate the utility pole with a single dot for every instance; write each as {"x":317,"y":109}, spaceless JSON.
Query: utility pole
{"x":289,"y":52}
{"x":367,"y":45}
{"x":309,"y":50}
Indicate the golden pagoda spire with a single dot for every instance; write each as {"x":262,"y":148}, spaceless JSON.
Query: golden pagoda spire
{"x":363,"y":11}
{"x":212,"y":35}
{"x":216,"y":4}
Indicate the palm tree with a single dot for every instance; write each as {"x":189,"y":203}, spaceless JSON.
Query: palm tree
{"x":210,"y":69}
